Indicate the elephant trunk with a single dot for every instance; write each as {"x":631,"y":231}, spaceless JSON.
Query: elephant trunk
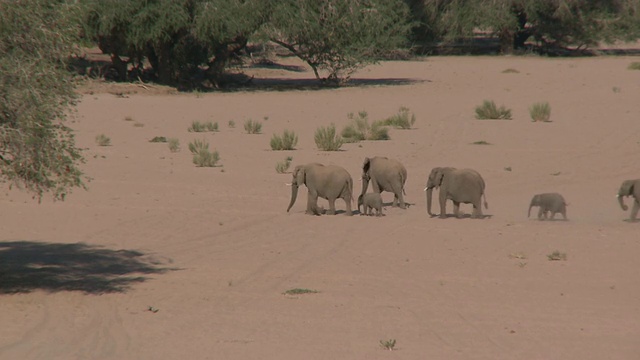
{"x":530,"y":206}
{"x":621,"y":201}
{"x":294,"y":195}
{"x":429,"y":196}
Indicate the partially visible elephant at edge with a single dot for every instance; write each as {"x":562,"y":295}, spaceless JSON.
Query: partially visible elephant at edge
{"x":329,"y":182}
{"x":630,"y":188}
{"x":548,"y":202}
{"x":385,"y":175}
{"x":459,"y":185}
{"x":370,"y":201}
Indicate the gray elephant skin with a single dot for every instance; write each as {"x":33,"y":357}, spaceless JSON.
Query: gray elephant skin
{"x":458,"y":185}
{"x":630,"y":188}
{"x":548,"y":203}
{"x":370,"y":201}
{"x":385,"y":175}
{"x":329,"y":182}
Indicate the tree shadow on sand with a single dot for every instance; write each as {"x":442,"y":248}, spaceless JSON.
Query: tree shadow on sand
{"x":26,"y":266}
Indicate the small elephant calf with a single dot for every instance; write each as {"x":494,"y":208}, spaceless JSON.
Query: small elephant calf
{"x":370,"y":201}
{"x":549,"y":202}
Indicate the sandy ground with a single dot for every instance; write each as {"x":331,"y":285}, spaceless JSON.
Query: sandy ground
{"x":160,"y":259}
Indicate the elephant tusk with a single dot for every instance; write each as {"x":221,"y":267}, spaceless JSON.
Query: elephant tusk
{"x":288,"y":184}
{"x":425,"y":189}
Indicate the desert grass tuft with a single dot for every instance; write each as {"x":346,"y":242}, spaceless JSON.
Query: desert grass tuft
{"x":231,"y":124}
{"x":510,"y":71}
{"x":489,"y":110}
{"x":202,"y":157}
{"x":197,"y":126}
{"x":481,"y":142}
{"x":402,"y":120}
{"x":252,"y":127}
{"x":283,"y":166}
{"x":174,"y":144}
{"x":557,"y":255}
{"x":360,"y":129}
{"x":287,"y":141}
{"x":212,"y":126}
{"x":388,"y":344}
{"x":634,"y":65}
{"x":327,"y":139}
{"x":103,"y":140}
{"x":540,"y":112}
{"x":300,"y":291}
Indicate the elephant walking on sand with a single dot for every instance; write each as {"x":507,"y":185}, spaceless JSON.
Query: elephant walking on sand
{"x":326,"y":181}
{"x":548,"y":203}
{"x":459,"y":185}
{"x":370,"y":201}
{"x":385,"y":175}
{"x":630,"y":188}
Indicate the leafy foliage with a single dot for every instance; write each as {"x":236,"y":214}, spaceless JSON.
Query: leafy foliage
{"x":338,"y":36}
{"x":489,"y":110}
{"x":37,"y":151}
{"x":326,"y":138}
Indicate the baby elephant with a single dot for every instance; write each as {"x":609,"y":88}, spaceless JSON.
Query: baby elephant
{"x":370,"y":201}
{"x":549,"y":202}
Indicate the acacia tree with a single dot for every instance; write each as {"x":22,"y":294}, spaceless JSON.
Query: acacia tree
{"x":338,"y":36}
{"x":37,"y":151}
{"x":550,"y":23}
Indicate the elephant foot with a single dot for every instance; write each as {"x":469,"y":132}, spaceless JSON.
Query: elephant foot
{"x":443,"y":216}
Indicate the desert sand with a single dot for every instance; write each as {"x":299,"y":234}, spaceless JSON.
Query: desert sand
{"x":160,"y":259}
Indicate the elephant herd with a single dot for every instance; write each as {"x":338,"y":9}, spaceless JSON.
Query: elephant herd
{"x":465,"y":186}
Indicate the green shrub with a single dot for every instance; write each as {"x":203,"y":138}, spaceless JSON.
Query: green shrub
{"x":327,"y":139}
{"x":488,"y":110}
{"x":231,"y":124}
{"x":481,"y":142}
{"x":212,"y":126}
{"x":252,"y":127}
{"x":283,"y":166}
{"x":197,"y":126}
{"x":557,"y":255}
{"x":359,"y":129}
{"x":540,"y":111}
{"x":103,"y":140}
{"x":202,"y":157}
{"x":401,"y":120}
{"x":174,"y":144}
{"x":300,"y":291}
{"x":287,"y":141}
{"x":634,"y":65}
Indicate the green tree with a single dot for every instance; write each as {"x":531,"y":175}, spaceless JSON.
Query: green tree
{"x":37,"y":151}
{"x":339,"y":36}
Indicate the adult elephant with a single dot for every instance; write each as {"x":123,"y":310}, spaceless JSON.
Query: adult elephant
{"x":326,"y":181}
{"x":385,"y":175}
{"x":459,"y":185}
{"x":630,"y":188}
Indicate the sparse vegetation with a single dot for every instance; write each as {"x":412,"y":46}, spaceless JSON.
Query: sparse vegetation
{"x":510,"y":71}
{"x":252,"y":127}
{"x":616,"y":89}
{"x":508,"y":168}
{"x":202,"y":157}
{"x":326,"y":138}
{"x":481,"y":142}
{"x":212,"y":126}
{"x":283,"y":166}
{"x":388,"y":344}
{"x":489,"y":110}
{"x":158,"y":139}
{"x":634,"y":65}
{"x":138,"y":124}
{"x":197,"y":126}
{"x":128,"y":118}
{"x":359,"y":129}
{"x":518,"y":255}
{"x":103,"y":140}
{"x":557,"y":255}
{"x":300,"y":291}
{"x":231,"y":124}
{"x":287,"y":141}
{"x":540,"y":111}
{"x":402,"y":120}
{"x":174,"y":144}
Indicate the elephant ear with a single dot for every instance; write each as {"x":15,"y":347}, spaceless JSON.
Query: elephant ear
{"x":438,"y":176}
{"x":299,"y":174}
{"x":626,"y":188}
{"x":365,"y":166}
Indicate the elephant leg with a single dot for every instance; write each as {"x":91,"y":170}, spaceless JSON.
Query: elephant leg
{"x":540,"y":213}
{"x":456,"y":209}
{"x":347,"y":201}
{"x":553,"y":214}
{"x":443,"y":204}
{"x":399,"y":199}
{"x":634,"y":210}
{"x":312,"y":203}
{"x":332,"y":206}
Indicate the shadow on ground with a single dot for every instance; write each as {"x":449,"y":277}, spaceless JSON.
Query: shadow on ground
{"x":26,"y":266}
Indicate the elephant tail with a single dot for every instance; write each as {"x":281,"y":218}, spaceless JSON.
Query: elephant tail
{"x":484,"y":195}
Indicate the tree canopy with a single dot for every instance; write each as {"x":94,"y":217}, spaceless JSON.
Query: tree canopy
{"x":37,"y":151}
